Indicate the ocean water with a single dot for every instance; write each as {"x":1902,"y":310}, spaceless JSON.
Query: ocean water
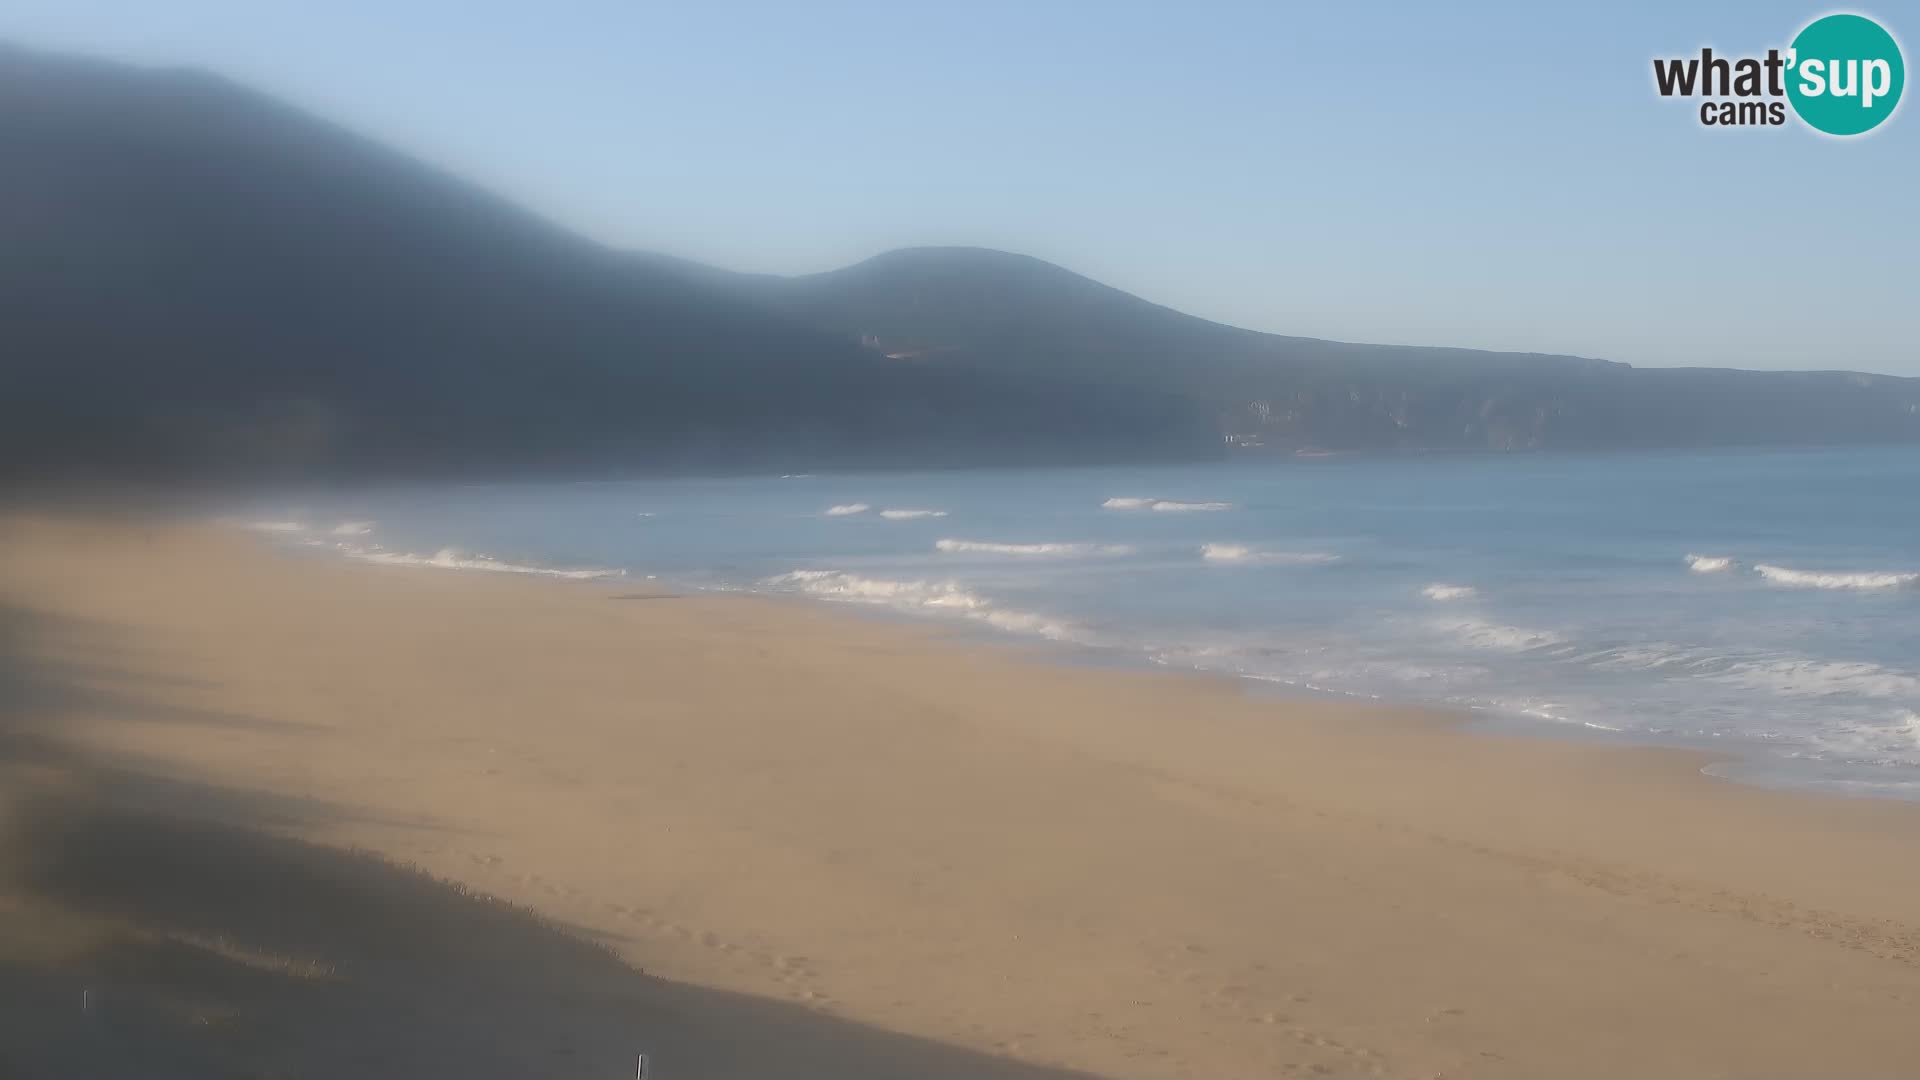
{"x":1762,"y":603}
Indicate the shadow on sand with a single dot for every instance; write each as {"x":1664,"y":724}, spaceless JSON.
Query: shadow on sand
{"x":143,"y":933}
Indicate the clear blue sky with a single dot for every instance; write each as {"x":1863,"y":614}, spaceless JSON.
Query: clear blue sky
{"x":1492,"y":175}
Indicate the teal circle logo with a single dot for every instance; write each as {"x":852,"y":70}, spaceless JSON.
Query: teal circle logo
{"x":1845,"y":74}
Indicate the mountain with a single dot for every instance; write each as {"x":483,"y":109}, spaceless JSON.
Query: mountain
{"x":196,"y":280}
{"x":992,"y":311}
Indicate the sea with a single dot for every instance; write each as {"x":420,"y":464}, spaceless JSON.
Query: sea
{"x":1762,"y":604}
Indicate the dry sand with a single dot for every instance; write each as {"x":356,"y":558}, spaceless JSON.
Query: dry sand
{"x":288,"y":816}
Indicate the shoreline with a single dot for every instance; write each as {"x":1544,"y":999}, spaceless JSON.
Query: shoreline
{"x":1743,"y":764}
{"x":889,"y":826}
{"x":1742,"y":760}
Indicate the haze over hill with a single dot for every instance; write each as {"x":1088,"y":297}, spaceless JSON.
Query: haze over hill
{"x":196,"y":279}
{"x":1000,"y":312}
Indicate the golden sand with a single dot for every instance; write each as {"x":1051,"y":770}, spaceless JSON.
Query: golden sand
{"x":393,"y":819}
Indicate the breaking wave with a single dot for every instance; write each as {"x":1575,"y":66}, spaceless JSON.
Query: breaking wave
{"x":921,"y":596}
{"x":455,"y":559}
{"x":353,"y":528}
{"x":1244,"y":555}
{"x":1486,"y":635}
{"x":1165,"y":506}
{"x":1816,"y":579}
{"x":846,"y":509}
{"x":984,"y":547}
{"x":908,"y":515}
{"x":1442,"y":591}
{"x":1709,"y":564}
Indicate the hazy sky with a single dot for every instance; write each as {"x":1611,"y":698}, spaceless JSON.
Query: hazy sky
{"x":1501,"y":176}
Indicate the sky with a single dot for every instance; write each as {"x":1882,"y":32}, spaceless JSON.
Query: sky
{"x":1486,"y":175}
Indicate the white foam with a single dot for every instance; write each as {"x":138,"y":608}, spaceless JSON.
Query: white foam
{"x":986,"y":547}
{"x":840,"y":585}
{"x":1817,"y":579}
{"x":1653,"y":656}
{"x":1165,"y":506}
{"x":908,"y":515}
{"x":1487,"y":635}
{"x":1026,"y":622}
{"x":277,"y":526}
{"x":455,"y":559}
{"x":846,"y":509}
{"x":1709,"y":564}
{"x":353,"y":528}
{"x":1773,"y":674}
{"x":1866,"y":741}
{"x":1442,"y":591}
{"x":1533,"y":708}
{"x":923,"y":596}
{"x":1806,"y":677}
{"x":1244,"y":555}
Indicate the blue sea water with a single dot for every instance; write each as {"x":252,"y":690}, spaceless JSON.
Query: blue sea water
{"x":1765,"y":603}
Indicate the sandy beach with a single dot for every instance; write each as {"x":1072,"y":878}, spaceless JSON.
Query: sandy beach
{"x":286,"y":815}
